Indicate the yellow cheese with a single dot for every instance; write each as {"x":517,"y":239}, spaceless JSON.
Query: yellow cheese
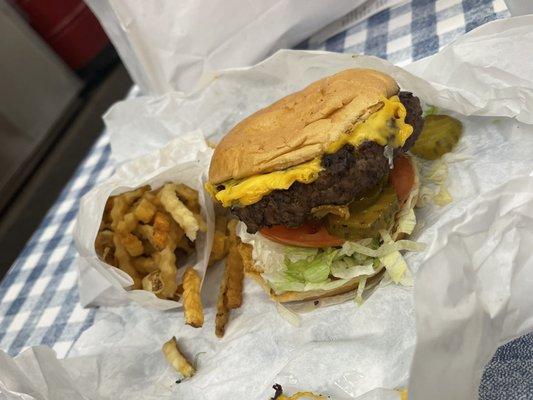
{"x":386,"y":126}
{"x":251,"y":190}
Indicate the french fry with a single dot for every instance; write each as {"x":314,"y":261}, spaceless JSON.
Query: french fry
{"x":219,"y":248}
{"x":144,"y":210}
{"x":161,"y":230}
{"x":192,"y":302}
{"x":132,"y":244}
{"x":153,"y":283}
{"x":120,"y":208}
{"x":189,"y":197}
{"x":223,"y":311}
{"x":128,"y":224}
{"x":146,"y":232}
{"x":169,"y":271}
{"x":220,"y":239}
{"x":245,"y":251}
{"x":234,"y":268}
{"x":125,"y":264}
{"x":133,"y":195}
{"x":104,"y":239}
{"x":147,"y":265}
{"x":178,"y":361}
{"x":181,"y":214}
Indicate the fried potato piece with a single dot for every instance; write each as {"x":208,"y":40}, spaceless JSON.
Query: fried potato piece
{"x":219,"y":250}
{"x":192,"y":302}
{"x":245,"y":251}
{"x":189,"y":196}
{"x":133,"y":195}
{"x":125,"y":264}
{"x":234,"y":268}
{"x":223,"y":310}
{"x":144,"y":210}
{"x":181,"y":214}
{"x":128,"y":224}
{"x":103,"y":239}
{"x":146,"y":232}
{"x":169,"y":271}
{"x":161,"y":230}
{"x":153,"y":283}
{"x":175,"y":358}
{"x":132,"y":244}
{"x":147,"y":265}
{"x":120,"y":208}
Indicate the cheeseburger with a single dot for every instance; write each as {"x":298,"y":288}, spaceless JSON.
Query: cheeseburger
{"x":323,"y":186}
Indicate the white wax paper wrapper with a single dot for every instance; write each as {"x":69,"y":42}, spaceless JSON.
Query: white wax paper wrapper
{"x":169,"y":45}
{"x":347,"y":351}
{"x":182,"y":160}
{"x":467,"y":77}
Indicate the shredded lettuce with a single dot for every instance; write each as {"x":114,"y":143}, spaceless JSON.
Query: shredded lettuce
{"x":431,"y":110}
{"x":360,"y":289}
{"x":294,"y":253}
{"x":348,"y":268}
{"x":406,"y":222}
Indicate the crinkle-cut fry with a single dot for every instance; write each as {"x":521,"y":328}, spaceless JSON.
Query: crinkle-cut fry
{"x":161,"y":230}
{"x":192,"y":302}
{"x":175,"y":358}
{"x":104,"y":239}
{"x":146,"y":232}
{"x":144,"y":210}
{"x":147,"y":265}
{"x":245,"y":250}
{"x":128,"y":224}
{"x":219,"y":248}
{"x":235,"y":270}
{"x":133,"y":195}
{"x":189,"y":196}
{"x":153,"y":283}
{"x":120,"y":208}
{"x":223,"y":311}
{"x":125,"y":264}
{"x":181,"y":214}
{"x":132,"y":244}
{"x":169,"y":272}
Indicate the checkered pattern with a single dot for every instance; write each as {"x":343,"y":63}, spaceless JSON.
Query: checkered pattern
{"x":39,"y":298}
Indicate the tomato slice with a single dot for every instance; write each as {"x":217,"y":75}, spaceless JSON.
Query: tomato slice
{"x":307,"y":235}
{"x":402,"y":177}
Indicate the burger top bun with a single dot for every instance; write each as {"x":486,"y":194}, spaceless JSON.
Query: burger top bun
{"x":299,"y":127}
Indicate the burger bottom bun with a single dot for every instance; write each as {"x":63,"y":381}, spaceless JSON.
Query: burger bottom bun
{"x":253,"y":271}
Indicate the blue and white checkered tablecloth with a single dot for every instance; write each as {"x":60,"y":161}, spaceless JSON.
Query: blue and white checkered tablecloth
{"x":39,"y":301}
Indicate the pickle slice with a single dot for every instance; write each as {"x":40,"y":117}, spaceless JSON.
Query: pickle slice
{"x":367,"y":216}
{"x":439,"y":136}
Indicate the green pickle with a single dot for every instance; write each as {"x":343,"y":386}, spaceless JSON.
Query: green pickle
{"x":367,"y":216}
{"x":439,"y":136}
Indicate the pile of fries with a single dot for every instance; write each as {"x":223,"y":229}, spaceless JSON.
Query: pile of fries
{"x":150,"y":233}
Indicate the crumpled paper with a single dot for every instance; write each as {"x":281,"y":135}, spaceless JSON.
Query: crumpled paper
{"x":472,"y":283}
{"x":171,"y":45}
{"x":182,"y":160}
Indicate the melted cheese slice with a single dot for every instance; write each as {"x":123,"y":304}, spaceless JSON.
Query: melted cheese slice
{"x":385,"y":127}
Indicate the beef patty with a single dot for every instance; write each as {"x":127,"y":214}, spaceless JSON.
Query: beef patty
{"x":347,"y":175}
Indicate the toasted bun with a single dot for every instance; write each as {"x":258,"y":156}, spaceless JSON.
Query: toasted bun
{"x":253,"y":271}
{"x":301,"y":126}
